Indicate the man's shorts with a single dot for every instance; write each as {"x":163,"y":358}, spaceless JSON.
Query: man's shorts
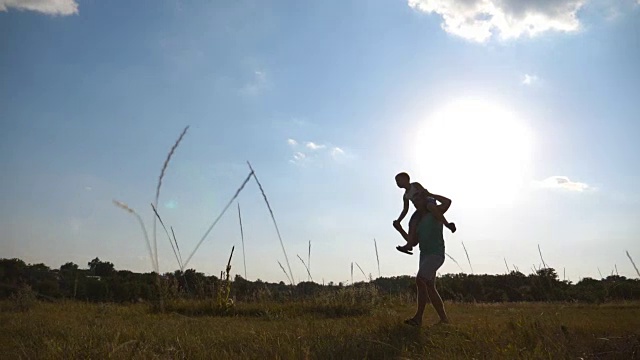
{"x":429,"y":265}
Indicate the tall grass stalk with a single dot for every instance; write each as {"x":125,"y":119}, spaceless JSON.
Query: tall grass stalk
{"x":306,"y":267}
{"x":465,"y":251}
{"x":616,"y":266}
{"x":633,"y":263}
{"x":352,"y":273}
{"x":454,"y":260}
{"x":362,"y":271}
{"x":154,"y":264}
{"x":175,"y":253}
{"x":285,"y":272}
{"x":264,"y":195}
{"x":601,"y":277}
{"x":177,"y":247}
{"x":224,"y":289}
{"x":541,"y":258}
{"x":244,"y":258}
{"x":505,"y":264}
{"x":162,"y":173}
{"x":233,"y":198}
{"x":309,"y":259}
{"x":126,"y":207}
{"x":375,"y":244}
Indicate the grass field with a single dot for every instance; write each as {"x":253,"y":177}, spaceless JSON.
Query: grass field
{"x":67,"y":330}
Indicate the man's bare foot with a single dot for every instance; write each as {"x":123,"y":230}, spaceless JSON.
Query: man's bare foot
{"x":413,"y":322}
{"x":451,"y":226}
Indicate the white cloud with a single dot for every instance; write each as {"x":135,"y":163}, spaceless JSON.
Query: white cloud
{"x":50,"y":7}
{"x":336,"y":151}
{"x":563,"y":183}
{"x":314,"y":152}
{"x":313,"y":146}
{"x":257,"y":83}
{"x":528,"y":79}
{"x":479,"y":20}
{"x":298,"y":158}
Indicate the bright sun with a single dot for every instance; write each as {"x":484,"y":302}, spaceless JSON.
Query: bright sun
{"x":475,"y":151}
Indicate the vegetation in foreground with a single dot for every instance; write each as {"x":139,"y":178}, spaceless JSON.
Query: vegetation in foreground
{"x":317,"y":330}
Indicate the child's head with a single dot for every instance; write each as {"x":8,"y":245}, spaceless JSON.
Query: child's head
{"x":403,"y":180}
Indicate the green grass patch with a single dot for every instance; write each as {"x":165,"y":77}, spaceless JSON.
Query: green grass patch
{"x":315,"y":330}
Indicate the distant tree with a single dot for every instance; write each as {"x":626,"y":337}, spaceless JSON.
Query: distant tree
{"x":69,"y":267}
{"x":101,"y":268}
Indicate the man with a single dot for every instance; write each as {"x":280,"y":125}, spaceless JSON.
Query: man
{"x":431,"y":243}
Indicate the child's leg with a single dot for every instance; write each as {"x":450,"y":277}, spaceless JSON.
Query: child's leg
{"x":413,"y":224}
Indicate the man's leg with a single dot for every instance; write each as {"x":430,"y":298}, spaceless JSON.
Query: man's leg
{"x":423,"y":294}
{"x":423,"y":299}
{"x":436,"y":300}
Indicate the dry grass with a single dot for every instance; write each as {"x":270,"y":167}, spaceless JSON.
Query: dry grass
{"x":633,"y":263}
{"x":316,"y":331}
{"x":275,"y":223}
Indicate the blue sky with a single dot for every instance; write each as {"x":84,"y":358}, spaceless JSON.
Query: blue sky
{"x":524,"y":114}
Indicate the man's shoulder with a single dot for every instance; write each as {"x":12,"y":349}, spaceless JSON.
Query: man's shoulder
{"x":429,"y":221}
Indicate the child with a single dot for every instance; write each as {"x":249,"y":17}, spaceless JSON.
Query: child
{"x":415,"y":193}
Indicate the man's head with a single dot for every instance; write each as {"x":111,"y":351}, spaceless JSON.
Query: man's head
{"x":403,"y":180}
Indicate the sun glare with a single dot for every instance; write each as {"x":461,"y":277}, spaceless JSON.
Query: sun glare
{"x":475,"y":151}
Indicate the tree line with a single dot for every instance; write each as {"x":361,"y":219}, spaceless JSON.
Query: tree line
{"x":101,"y":282}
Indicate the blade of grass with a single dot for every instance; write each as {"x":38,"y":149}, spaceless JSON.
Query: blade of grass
{"x":362,"y":271}
{"x":125,"y":207}
{"x":633,"y":263}
{"x":244,"y":258}
{"x":264,"y":195}
{"x":162,"y":173}
{"x":375,"y":244}
{"x":285,"y":272}
{"x":309,"y":260}
{"x":543,"y":263}
{"x":454,"y":260}
{"x":352,"y":273}
{"x":306,"y":267}
{"x":469,"y":260}
{"x":155,"y":211}
{"x":177,"y":247}
{"x":246,"y":180}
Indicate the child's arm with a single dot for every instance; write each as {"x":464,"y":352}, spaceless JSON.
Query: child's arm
{"x":445,"y":203}
{"x":405,"y":209}
{"x":439,"y":210}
